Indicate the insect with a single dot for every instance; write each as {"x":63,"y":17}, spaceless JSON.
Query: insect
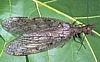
{"x":40,"y":34}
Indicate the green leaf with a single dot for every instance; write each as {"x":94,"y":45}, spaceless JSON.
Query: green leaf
{"x":67,"y":10}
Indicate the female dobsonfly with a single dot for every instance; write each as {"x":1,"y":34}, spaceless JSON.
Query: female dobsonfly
{"x":40,"y":34}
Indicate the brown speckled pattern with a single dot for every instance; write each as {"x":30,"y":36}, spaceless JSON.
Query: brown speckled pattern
{"x":39,"y":34}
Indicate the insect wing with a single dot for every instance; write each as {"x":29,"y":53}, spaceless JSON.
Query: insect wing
{"x":22,"y":25}
{"x":38,"y":41}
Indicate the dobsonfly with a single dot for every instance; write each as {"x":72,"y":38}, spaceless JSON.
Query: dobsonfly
{"x":40,"y":34}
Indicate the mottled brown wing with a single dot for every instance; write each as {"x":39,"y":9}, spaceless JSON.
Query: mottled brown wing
{"x":22,"y":25}
{"x":39,"y":41}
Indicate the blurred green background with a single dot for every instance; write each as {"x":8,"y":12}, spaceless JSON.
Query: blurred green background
{"x":67,"y":10}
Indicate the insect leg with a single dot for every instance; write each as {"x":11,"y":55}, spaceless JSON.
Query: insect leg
{"x":81,"y":40}
{"x":74,"y":23}
{"x":27,"y":60}
{"x":74,"y":37}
